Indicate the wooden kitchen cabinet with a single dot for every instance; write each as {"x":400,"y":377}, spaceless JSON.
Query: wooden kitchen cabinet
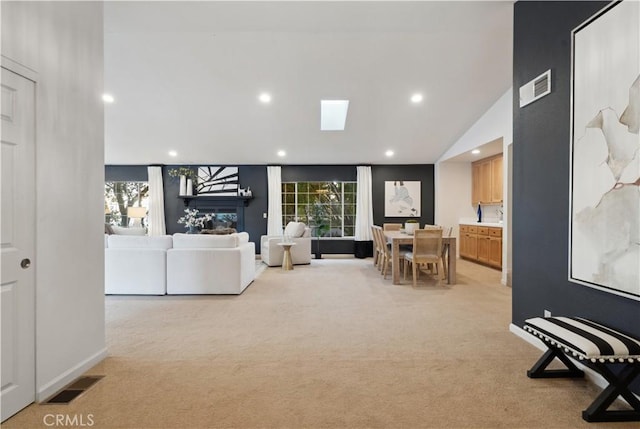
{"x":476,"y":182}
{"x":468,"y":242}
{"x":496,"y":179}
{"x":495,"y":247}
{"x":481,"y":244}
{"x":486,"y":177}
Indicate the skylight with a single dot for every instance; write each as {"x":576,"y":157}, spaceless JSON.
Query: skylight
{"x":333,"y":114}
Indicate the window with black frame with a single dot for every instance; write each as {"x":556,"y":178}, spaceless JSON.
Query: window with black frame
{"x":328,"y":208}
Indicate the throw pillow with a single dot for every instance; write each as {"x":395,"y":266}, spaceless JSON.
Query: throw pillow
{"x":219,"y":231}
{"x":107,"y":229}
{"x":294,"y":229}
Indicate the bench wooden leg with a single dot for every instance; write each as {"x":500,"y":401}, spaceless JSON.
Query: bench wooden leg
{"x":539,"y":369}
{"x":618,"y":386}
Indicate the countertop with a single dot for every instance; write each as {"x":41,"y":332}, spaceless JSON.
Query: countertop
{"x":492,"y":224}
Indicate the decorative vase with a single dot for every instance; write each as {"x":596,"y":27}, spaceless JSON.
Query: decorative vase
{"x":479,"y":213}
{"x":189,"y":187}
{"x":183,"y":185}
{"x":192,"y":230}
{"x":409,"y":227}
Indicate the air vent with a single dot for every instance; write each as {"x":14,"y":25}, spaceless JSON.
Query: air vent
{"x":541,"y":86}
{"x":75,"y":389}
{"x":537,"y":88}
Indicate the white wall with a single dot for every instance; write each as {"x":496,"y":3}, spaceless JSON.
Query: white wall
{"x":496,"y":123}
{"x":453,"y":194}
{"x":63,"y":43}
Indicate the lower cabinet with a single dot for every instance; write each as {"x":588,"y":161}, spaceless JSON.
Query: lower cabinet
{"x":468,"y":242}
{"x":481,"y":244}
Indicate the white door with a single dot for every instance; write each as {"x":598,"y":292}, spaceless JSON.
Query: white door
{"x":17,"y":238}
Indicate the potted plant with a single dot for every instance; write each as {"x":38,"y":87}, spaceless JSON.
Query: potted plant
{"x":192,"y":221}
{"x":317,"y":214}
{"x":411,"y":225}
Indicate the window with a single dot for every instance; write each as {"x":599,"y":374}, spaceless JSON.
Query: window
{"x":329,"y":208}
{"x":118,"y":196}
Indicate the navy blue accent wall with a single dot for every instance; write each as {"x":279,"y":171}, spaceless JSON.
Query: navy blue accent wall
{"x":173,"y":206}
{"x":319,"y":173}
{"x":389,"y":173}
{"x":255,"y":177}
{"x":126,"y":173}
{"x":251,"y":176}
{"x":541,"y":156}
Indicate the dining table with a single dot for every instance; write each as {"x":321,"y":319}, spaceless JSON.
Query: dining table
{"x":398,"y":238}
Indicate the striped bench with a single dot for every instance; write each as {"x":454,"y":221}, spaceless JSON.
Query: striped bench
{"x":596,"y":347}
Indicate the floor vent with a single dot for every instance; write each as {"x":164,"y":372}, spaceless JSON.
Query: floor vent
{"x":75,"y":389}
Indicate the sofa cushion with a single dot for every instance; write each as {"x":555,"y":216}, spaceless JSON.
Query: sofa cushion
{"x":119,"y":230}
{"x":294,"y":229}
{"x":140,"y":242}
{"x":243,"y":237}
{"x":205,"y":241}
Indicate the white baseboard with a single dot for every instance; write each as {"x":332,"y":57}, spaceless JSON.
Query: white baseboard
{"x":46,"y":391}
{"x":590,"y":374}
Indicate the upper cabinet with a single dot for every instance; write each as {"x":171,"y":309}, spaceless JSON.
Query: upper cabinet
{"x":487,"y":180}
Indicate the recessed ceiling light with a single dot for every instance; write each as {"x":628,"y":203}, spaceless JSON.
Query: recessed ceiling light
{"x":265,"y":98}
{"x":281,"y":153}
{"x":416,"y":98}
{"x":108,"y":98}
{"x":173,"y":153}
{"x":389,"y":153}
{"x":475,"y":151}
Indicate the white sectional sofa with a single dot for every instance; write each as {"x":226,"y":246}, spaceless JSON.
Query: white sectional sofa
{"x":210,"y":264}
{"x":136,"y":265}
{"x":299,"y":234}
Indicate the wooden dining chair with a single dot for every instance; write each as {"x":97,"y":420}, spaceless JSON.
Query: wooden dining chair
{"x":377,"y":250}
{"x":385,"y":259}
{"x":392,"y":226}
{"x":434,"y":228}
{"x":445,"y":250}
{"x":446,"y":232}
{"x":429,"y":226}
{"x":427,"y":249}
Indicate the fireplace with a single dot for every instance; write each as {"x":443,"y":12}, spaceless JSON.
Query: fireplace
{"x":228,"y":211}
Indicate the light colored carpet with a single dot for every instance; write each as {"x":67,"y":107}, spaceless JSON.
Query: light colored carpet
{"x":328,"y":345}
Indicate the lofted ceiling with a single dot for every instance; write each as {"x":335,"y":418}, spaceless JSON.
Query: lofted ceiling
{"x":186,"y":76}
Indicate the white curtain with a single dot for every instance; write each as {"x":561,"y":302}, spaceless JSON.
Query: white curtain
{"x":274,"y":219}
{"x":364,"y":205}
{"x":156,"y":202}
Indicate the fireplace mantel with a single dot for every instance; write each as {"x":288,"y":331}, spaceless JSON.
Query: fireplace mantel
{"x":212,"y":200}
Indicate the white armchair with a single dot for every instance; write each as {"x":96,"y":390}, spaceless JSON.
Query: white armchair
{"x":272,"y":254}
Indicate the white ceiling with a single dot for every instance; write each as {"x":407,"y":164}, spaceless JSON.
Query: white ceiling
{"x":186,"y":77}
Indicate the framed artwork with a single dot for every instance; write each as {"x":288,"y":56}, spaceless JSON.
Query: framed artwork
{"x":218,"y":181}
{"x":402,"y":198}
{"x":604,"y":242}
